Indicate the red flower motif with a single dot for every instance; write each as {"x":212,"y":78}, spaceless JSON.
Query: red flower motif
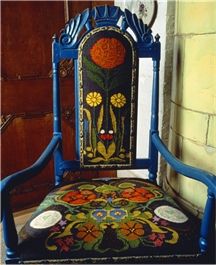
{"x":108,"y":53}
{"x":158,"y":243}
{"x":157,"y":238}
{"x":106,"y":136}
{"x":64,"y":243}
{"x":137,"y":194}
{"x":79,"y":197}
{"x":88,"y":232}
{"x":132,"y":230}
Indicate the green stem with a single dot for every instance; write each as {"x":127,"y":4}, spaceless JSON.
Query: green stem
{"x":119,"y":134}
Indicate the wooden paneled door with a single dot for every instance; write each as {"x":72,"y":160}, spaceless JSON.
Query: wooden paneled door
{"x":26,"y":110}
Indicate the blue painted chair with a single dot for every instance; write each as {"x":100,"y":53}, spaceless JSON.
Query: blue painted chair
{"x":126,"y":220}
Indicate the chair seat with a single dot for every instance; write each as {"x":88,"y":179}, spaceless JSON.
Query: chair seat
{"x":108,"y":221}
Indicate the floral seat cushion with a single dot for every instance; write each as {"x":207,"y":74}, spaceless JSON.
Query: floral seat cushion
{"x":108,"y":219}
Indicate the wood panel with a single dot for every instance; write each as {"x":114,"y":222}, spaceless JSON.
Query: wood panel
{"x":27,"y":35}
{"x":27,"y":30}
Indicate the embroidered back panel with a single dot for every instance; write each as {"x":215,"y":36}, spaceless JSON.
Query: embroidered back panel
{"x":108,"y":68}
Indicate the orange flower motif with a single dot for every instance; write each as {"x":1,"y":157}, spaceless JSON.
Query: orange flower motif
{"x":88,"y":232}
{"x":132,"y":230}
{"x":108,"y":53}
{"x":79,"y":197}
{"x":137,"y":194}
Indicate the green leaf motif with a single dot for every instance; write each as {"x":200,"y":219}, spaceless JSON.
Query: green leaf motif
{"x":93,"y":67}
{"x":88,"y":114}
{"x":100,"y":118}
{"x":94,"y":139}
{"x":111,"y":150}
{"x":97,"y":160}
{"x":126,"y":185}
{"x":101,"y":149}
{"x":106,"y":153}
{"x":113,"y":119}
{"x":106,"y":188}
{"x":116,"y":160}
{"x":87,"y":187}
{"x":134,"y":243}
{"x":96,"y":78}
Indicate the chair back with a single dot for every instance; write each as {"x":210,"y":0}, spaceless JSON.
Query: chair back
{"x":106,"y":59}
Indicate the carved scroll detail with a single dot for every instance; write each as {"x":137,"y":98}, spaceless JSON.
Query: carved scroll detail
{"x":70,"y":33}
{"x":141,"y":30}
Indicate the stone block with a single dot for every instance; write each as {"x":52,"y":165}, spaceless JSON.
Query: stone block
{"x":192,"y":191}
{"x":191,"y":125}
{"x":199,"y":78}
{"x":195,"y":17}
{"x":211,"y":137}
{"x":198,"y":155}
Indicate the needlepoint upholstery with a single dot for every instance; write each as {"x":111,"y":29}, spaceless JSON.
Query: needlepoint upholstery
{"x":108,"y":220}
{"x":108,"y":89}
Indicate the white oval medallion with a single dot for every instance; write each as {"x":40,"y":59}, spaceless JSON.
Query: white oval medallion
{"x":171,"y":214}
{"x":46,"y":219}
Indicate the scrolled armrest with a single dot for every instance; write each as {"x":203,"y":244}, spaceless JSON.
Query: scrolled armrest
{"x":11,"y":181}
{"x":192,"y":172}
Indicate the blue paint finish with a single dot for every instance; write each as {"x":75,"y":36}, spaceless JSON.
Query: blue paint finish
{"x":9,"y":183}
{"x":69,"y":54}
{"x":58,"y":159}
{"x":9,"y":230}
{"x":208,"y":222}
{"x":66,"y":47}
{"x":77,"y":106}
{"x":106,"y":15}
{"x":70,"y":33}
{"x":206,"y":178}
{"x":153,"y":152}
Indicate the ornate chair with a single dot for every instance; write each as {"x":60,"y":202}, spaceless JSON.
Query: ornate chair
{"x":121,"y":220}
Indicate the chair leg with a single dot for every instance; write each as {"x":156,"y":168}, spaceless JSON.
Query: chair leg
{"x":10,"y":233}
{"x":207,"y":223}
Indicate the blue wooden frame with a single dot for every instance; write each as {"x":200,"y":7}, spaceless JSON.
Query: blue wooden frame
{"x":66,"y":48}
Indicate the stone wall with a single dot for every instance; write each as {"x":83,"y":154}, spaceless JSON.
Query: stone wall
{"x":193,"y":101}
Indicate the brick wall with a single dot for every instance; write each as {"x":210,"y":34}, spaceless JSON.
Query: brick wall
{"x":193,"y":102}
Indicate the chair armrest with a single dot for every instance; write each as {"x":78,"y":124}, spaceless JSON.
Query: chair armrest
{"x":195,"y":173}
{"x":11,"y":181}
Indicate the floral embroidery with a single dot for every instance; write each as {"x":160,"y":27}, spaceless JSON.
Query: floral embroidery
{"x":79,"y":197}
{"x":100,"y":211}
{"x":118,"y":100}
{"x":89,"y":232}
{"x":118,"y":214}
{"x":104,"y":130}
{"x":64,"y":243}
{"x":157,"y":238}
{"x":137,"y":194}
{"x":108,"y":53}
{"x":93,"y":99}
{"x":132,"y":230}
{"x":99,"y":214}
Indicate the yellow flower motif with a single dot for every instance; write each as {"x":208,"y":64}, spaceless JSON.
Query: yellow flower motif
{"x":93,"y":99}
{"x":118,"y":100}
